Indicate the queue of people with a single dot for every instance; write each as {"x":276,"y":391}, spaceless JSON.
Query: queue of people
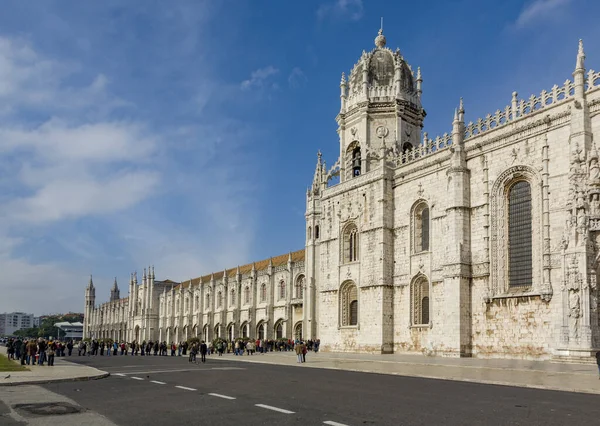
{"x":40,"y":351}
{"x":37,"y":351}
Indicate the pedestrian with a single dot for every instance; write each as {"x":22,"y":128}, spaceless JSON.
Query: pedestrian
{"x":598,"y":362}
{"x":298,"y":348}
{"x":203,"y":350}
{"x":51,"y":352}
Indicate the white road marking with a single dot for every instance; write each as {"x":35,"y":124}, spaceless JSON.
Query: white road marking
{"x":160,"y":371}
{"x":119,"y":374}
{"x":227,"y":368}
{"x":157,"y":382}
{"x":280,"y":410}
{"x":332,"y":423}
{"x":184,"y":388}
{"x":137,"y":378}
{"x":221,"y":396}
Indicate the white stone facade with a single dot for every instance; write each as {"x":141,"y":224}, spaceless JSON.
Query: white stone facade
{"x":481,"y":242}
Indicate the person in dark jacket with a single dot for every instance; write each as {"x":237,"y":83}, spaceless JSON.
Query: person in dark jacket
{"x":203,"y":351}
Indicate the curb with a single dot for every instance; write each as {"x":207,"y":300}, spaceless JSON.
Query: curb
{"x":46,"y":381}
{"x":423,"y":376}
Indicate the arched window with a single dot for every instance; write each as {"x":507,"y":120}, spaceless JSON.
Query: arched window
{"x":186,"y":302}
{"x":281,"y":290}
{"x":279,"y":330}
{"x":261,"y":331}
{"x":348,"y":304}
{"x":232,"y":297}
{"x":421,"y":228}
{"x":300,"y":287}
{"x":246,"y":295}
{"x":356,"y":159}
{"x":520,"y":269}
{"x":218,"y":331}
{"x":316,"y":232}
{"x":350,"y":244}
{"x":219,"y":299}
{"x":263,"y":292}
{"x":197,"y":302}
{"x":207,"y":300}
{"x":419,"y":300}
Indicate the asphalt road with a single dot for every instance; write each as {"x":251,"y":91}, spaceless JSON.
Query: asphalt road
{"x":170,"y":391}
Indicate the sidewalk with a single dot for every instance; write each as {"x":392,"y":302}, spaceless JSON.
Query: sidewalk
{"x":507,"y":372}
{"x":62,"y":371}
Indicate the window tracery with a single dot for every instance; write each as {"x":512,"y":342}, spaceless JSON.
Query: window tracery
{"x":350,"y":244}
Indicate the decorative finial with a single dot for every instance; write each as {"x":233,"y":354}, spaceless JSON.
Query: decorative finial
{"x":343,"y":81}
{"x":319,"y":155}
{"x":380,"y":39}
{"x":455,"y":114}
{"x":419,"y":73}
{"x":580,"y":57}
{"x":461,"y":107}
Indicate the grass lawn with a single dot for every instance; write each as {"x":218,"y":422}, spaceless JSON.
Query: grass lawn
{"x":8,"y":365}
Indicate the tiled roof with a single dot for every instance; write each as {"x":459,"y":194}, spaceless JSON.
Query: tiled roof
{"x":297,"y":256}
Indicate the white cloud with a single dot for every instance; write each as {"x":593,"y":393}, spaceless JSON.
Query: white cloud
{"x":351,"y":10}
{"x":297,"y":78}
{"x":84,"y":192}
{"x":538,"y":10}
{"x":259,"y":78}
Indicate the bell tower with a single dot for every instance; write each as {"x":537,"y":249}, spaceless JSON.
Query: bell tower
{"x":380,"y":109}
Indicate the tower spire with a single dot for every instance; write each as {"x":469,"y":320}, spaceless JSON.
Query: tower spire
{"x":580,"y":65}
{"x":380,"y":40}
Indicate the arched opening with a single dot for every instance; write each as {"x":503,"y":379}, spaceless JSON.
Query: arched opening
{"x":230,"y":331}
{"x":356,"y":159}
{"x":419,"y":301}
{"x":279,"y":329}
{"x":205,"y":332}
{"x":350,"y":243}
{"x":298,"y":330}
{"x":137,"y":333}
{"x":348,"y":304}
{"x":245,"y":327}
{"x":263,"y":292}
{"x":520,"y":235}
{"x":299,"y":287}
{"x":260,"y":331}
{"x":281,"y":290}
{"x":421,"y":227}
{"x":316,"y":232}
{"x":218,"y":331}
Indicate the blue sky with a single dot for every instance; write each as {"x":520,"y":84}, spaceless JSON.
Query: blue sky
{"x":184,"y":134}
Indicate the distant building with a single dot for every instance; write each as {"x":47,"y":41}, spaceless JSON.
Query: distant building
{"x":69,"y":330}
{"x":36,"y":321}
{"x":11,"y":322}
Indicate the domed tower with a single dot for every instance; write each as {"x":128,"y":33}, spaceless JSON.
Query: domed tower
{"x":380,"y":109}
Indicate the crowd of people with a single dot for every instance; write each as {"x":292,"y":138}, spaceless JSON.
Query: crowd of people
{"x":37,"y":351}
{"x":40,"y":351}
